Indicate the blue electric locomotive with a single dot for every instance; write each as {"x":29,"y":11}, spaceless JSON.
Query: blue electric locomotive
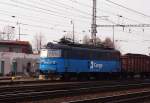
{"x":72,"y":60}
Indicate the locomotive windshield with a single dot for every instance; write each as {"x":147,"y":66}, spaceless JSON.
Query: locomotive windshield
{"x":43,"y":53}
{"x":51,"y":53}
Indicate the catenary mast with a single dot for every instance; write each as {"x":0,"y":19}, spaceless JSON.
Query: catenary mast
{"x":94,"y":26}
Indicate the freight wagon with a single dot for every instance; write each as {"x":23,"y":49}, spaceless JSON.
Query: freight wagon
{"x":135,"y":64}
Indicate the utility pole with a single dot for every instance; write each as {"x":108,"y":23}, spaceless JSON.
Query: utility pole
{"x":94,"y":26}
{"x":148,"y":51}
{"x":73,"y":32}
{"x":114,"y":35}
{"x":73,"y":37}
{"x":19,"y":28}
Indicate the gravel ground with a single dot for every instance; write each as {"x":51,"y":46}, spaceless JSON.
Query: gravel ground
{"x":88,"y":96}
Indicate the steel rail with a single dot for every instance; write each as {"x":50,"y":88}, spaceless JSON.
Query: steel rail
{"x":42,"y":94}
{"x":65,"y":85}
{"x":43,"y":87}
{"x":136,"y":97}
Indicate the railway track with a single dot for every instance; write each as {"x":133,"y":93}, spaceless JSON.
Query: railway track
{"x":16,"y":82}
{"x":46,"y":85}
{"x":136,"y":97}
{"x":34,"y":93}
{"x":7,"y":82}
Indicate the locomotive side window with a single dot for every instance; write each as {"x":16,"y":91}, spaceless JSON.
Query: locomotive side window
{"x":54,"y":53}
{"x":76,"y":53}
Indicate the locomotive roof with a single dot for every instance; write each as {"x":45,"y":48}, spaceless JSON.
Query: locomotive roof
{"x":79,"y":47}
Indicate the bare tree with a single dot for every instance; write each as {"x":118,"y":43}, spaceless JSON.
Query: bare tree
{"x":69,"y":36}
{"x":2,"y":35}
{"x":39,"y":41}
{"x":8,"y":33}
{"x":98,"y":41}
{"x":108,"y":43}
{"x":86,"y":39}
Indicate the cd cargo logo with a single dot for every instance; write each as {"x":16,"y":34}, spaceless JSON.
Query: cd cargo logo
{"x":94,"y":65}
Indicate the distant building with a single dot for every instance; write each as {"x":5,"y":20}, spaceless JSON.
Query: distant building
{"x":18,"y":63}
{"x":17,"y":58}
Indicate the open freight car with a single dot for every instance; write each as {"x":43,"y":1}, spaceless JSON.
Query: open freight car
{"x":135,"y":64}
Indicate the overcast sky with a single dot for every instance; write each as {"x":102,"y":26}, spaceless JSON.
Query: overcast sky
{"x":53,"y":17}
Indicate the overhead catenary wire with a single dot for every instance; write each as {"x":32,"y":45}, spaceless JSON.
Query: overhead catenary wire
{"x":109,"y":20}
{"x":22,"y":15}
{"x":108,"y":12}
{"x":86,"y":5}
{"x":39,"y":11}
{"x":35,"y":10}
{"x":122,"y":16}
{"x":132,"y":10}
{"x":61,"y":11}
{"x":32,"y":25}
{"x":36,"y":20}
{"x":37,"y":7}
{"x":26,"y":8}
{"x":43,"y":9}
{"x":66,"y":6}
{"x":126,"y":18}
{"x":30,"y":5}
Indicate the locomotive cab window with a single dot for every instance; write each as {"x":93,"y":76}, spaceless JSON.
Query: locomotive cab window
{"x":43,"y":53}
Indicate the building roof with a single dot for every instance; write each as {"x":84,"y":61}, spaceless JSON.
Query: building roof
{"x":13,"y":42}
